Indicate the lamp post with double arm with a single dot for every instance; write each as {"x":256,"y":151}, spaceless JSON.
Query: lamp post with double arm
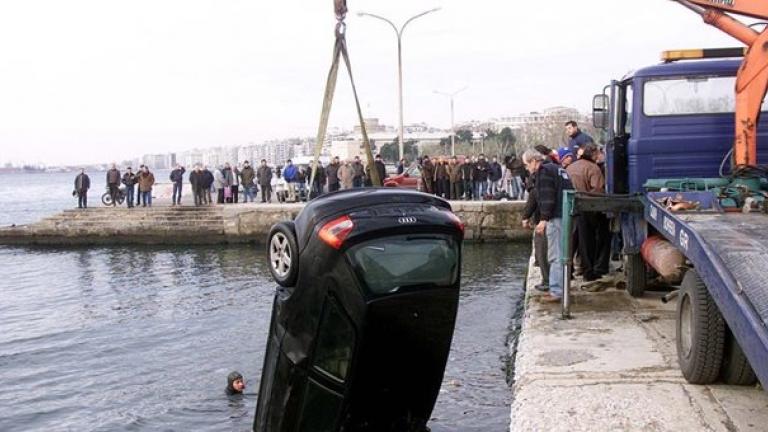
{"x":399,"y":32}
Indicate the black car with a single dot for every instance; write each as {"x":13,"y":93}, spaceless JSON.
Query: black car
{"x":364,"y":316}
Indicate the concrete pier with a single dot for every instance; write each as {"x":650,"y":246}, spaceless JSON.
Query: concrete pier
{"x":233,"y":223}
{"x":614,"y":367}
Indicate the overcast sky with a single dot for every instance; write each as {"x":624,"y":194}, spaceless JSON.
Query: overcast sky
{"x":102,"y":80}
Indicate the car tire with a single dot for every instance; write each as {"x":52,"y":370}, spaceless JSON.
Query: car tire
{"x":700,"y":332}
{"x":634,"y":268}
{"x":283,"y":254}
{"x":736,"y":369}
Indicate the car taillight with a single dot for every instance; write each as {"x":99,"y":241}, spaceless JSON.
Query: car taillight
{"x":456,"y":221}
{"x":336,"y":231}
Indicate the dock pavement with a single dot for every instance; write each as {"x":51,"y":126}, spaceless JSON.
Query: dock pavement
{"x":613,"y":367}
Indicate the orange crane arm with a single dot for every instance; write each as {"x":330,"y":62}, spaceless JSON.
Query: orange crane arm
{"x":752,"y":78}
{"x":751,"y":8}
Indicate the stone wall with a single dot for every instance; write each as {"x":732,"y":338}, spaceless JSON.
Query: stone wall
{"x":241,"y":223}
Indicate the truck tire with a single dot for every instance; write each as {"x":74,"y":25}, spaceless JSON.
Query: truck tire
{"x":283,"y":254}
{"x":736,"y":369}
{"x":700,"y":332}
{"x":634,"y":270}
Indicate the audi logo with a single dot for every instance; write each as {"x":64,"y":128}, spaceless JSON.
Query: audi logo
{"x":407,"y":220}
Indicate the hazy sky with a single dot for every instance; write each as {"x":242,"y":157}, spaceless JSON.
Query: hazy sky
{"x":102,"y":80}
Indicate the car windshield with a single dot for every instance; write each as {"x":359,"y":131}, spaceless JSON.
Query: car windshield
{"x":388,"y":264}
{"x":414,"y":171}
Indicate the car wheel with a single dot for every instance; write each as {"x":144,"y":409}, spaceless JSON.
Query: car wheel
{"x":283,"y":254}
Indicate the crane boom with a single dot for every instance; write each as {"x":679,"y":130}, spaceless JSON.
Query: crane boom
{"x":752,"y":78}
{"x":751,"y":8}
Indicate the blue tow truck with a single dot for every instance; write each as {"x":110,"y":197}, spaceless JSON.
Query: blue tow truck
{"x":669,"y":132}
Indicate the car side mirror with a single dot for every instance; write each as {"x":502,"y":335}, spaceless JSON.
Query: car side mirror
{"x":600,"y":111}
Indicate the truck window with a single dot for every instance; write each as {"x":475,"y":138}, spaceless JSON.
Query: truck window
{"x":623,"y":108}
{"x":690,"y":95}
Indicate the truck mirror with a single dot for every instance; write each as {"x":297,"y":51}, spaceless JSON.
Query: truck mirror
{"x":600,"y":118}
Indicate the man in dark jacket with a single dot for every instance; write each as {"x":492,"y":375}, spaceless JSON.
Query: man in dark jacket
{"x":576,"y":138}
{"x":454,"y":177}
{"x":207,"y":184}
{"x":332,"y":174}
{"x":494,"y":176}
{"x":264,"y":178}
{"x":550,"y":181}
{"x":517,"y":173}
{"x":428,"y":175}
{"x":82,"y":184}
{"x":129,"y":180}
{"x":138,"y":192}
{"x":441,"y":179}
{"x":530,"y":220}
{"x":247,"y":175}
{"x":318,"y":185}
{"x":177,"y":177}
{"x":357,"y":180}
{"x":113,"y":183}
{"x":196,"y":180}
{"x":466,"y":178}
{"x":480,"y":176}
{"x":381,"y":169}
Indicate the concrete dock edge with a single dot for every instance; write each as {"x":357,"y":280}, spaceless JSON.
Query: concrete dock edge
{"x":614,"y":367}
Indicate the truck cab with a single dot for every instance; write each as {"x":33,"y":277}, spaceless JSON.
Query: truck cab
{"x":671,"y":120}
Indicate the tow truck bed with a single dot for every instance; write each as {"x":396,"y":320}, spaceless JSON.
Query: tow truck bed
{"x":730,"y":253}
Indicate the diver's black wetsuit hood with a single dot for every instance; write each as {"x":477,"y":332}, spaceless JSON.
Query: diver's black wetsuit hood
{"x":231,"y":378}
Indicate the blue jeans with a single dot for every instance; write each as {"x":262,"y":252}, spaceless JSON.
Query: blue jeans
{"x":357,"y":182}
{"x":517,"y":191}
{"x":554,"y":230}
{"x":480,"y":189}
{"x":176,"y":193}
{"x":146,"y":198}
{"x":248,"y":191}
{"x":129,"y":196}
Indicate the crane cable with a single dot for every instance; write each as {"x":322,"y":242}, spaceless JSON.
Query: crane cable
{"x":340,"y":50}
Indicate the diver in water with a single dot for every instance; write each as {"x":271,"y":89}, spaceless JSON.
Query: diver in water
{"x":235,"y":384}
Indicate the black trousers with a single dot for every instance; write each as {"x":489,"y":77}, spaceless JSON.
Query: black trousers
{"x":235,"y":193}
{"x":455,"y":190}
{"x":266,"y":193}
{"x":220,"y":196}
{"x":594,"y":244}
{"x":82,"y":199}
{"x":113,"y":191}
{"x":199,"y":195}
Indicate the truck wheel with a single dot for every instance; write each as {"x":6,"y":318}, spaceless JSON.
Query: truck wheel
{"x":283,"y":254}
{"x":634,"y":269}
{"x":700,"y":332}
{"x":736,"y":369}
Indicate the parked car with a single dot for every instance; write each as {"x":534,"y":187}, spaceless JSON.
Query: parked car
{"x":410,"y":178}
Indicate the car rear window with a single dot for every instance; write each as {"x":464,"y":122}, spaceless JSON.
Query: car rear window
{"x":388,"y":264}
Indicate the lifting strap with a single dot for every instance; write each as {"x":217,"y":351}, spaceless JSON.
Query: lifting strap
{"x":340,"y":50}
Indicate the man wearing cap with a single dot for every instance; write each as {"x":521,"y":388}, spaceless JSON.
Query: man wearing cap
{"x":565,"y":156}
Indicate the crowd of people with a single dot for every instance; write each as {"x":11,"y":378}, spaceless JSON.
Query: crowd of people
{"x":579,"y":166}
{"x":452,"y":178}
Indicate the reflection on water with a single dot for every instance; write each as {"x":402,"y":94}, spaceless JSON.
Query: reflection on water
{"x":130,"y":338}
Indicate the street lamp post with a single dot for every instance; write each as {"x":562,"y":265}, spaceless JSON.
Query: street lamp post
{"x":453,"y":127}
{"x":399,"y":33}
